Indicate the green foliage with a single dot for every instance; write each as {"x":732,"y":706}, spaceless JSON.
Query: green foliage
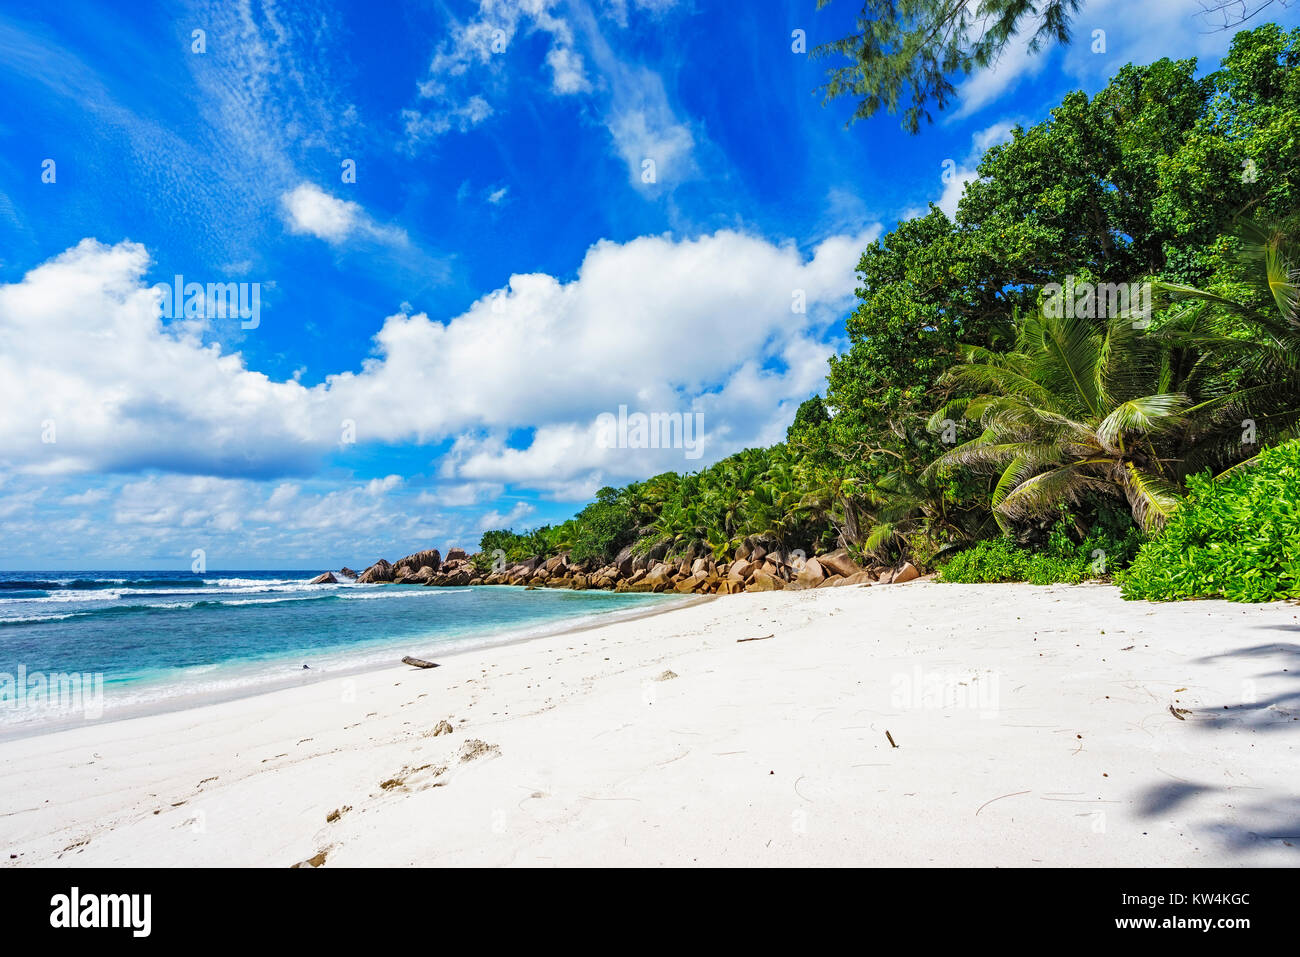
{"x":603,"y":528}
{"x":1104,"y":550}
{"x":1236,"y":538}
{"x":1001,"y":560}
{"x":1079,"y":407}
{"x":905,"y":52}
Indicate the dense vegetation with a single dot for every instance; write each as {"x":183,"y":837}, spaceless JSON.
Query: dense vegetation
{"x":1238,"y":538}
{"x":977,"y":412}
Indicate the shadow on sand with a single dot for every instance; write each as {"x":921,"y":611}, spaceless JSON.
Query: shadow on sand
{"x":1243,"y":817}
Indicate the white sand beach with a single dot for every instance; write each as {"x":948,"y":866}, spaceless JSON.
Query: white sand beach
{"x":1056,"y":726}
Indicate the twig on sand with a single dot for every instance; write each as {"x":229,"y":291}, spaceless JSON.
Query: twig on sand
{"x":891,"y":740}
{"x":418,"y":662}
{"x":991,"y":800}
{"x":671,"y":760}
{"x":759,"y":638}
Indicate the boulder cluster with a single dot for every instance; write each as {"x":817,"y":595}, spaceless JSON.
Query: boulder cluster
{"x":755,"y":568}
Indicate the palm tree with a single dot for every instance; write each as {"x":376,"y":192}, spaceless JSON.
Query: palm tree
{"x":1080,"y":406}
{"x":917,"y":514}
{"x":1245,"y":350}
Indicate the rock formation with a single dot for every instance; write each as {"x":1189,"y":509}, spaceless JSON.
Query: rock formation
{"x":758,"y":566}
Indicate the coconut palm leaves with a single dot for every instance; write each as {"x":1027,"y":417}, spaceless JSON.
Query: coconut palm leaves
{"x":1247,"y":346}
{"x":1077,"y":408}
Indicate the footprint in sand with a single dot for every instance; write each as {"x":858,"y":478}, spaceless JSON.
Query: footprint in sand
{"x":474,"y":748}
{"x":316,"y":861}
{"x":403,"y":778}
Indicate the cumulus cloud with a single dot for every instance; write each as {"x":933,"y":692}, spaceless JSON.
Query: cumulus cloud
{"x":498,"y":519}
{"x":92,"y":379}
{"x":311,"y":211}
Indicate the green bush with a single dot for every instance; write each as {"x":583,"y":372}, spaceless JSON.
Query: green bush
{"x":1108,"y":546}
{"x":1001,"y":560}
{"x":1238,"y":538}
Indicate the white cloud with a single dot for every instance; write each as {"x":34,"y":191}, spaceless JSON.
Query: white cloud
{"x":481,"y":43}
{"x":457,"y":494}
{"x":381,"y":486}
{"x":657,"y":323}
{"x":990,"y":84}
{"x":170,"y":515}
{"x":982,"y":140}
{"x":91,"y":496}
{"x":617,"y":10}
{"x":568,"y":75}
{"x":644,"y":127}
{"x":635,"y":107}
{"x":641,"y":121}
{"x":497,"y":196}
{"x":429,"y":124}
{"x":498,"y":519}
{"x":311,"y":211}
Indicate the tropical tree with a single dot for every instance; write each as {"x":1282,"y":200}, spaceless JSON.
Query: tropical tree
{"x":905,"y":53}
{"x":1246,"y":340}
{"x":1080,"y":406}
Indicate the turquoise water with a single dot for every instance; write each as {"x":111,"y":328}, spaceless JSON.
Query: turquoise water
{"x":157,"y":637}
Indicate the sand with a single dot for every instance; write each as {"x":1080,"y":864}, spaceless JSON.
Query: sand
{"x":1056,"y":726}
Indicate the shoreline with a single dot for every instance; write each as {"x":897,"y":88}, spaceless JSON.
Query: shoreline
{"x":189,"y":700}
{"x":674,"y":740}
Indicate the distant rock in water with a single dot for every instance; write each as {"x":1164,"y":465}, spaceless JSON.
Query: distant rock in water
{"x":347,"y":572}
{"x":325,"y":579}
{"x":380,"y":571}
{"x":411,"y":568}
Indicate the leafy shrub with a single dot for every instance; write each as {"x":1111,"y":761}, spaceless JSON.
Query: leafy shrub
{"x":1238,"y":538}
{"x":603,"y":528}
{"x":1001,"y":560}
{"x":1108,"y":546}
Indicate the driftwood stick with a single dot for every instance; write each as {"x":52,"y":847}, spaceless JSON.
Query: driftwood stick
{"x":759,"y":638}
{"x":891,"y":739}
{"x":418,"y":662}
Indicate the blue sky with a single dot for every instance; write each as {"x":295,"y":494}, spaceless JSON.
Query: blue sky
{"x":436,"y":340}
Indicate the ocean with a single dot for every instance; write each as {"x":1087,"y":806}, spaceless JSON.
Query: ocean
{"x":92,"y":644}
